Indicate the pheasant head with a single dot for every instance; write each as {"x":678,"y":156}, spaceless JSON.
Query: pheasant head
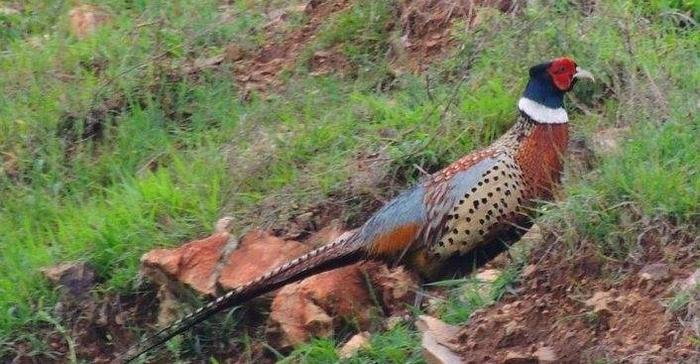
{"x":543,"y":98}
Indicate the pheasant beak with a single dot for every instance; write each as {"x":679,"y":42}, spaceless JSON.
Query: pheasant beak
{"x":581,"y":73}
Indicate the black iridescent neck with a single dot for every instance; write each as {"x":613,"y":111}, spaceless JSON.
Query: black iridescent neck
{"x":541,"y":89}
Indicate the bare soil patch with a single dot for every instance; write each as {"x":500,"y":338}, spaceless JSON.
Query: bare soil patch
{"x":588,"y":309}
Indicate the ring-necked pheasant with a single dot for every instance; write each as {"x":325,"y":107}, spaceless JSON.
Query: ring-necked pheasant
{"x":477,"y":200}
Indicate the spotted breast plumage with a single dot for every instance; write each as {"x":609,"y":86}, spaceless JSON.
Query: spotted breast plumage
{"x":477,"y":200}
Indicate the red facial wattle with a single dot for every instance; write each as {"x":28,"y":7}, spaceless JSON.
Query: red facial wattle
{"x":562,"y":71}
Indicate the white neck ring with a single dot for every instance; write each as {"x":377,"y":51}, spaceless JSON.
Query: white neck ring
{"x":542,"y":114}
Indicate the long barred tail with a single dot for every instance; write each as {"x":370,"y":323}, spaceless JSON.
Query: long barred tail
{"x":341,"y":252}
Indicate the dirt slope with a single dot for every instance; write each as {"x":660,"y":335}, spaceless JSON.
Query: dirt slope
{"x":573,"y":309}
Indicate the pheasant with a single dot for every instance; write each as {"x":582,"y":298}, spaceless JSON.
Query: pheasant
{"x":483,"y":198}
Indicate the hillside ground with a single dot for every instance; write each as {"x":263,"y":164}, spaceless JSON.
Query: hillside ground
{"x":171,"y":114}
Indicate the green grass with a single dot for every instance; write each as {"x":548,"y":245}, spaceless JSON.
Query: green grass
{"x":176,"y":153}
{"x":400,"y":344}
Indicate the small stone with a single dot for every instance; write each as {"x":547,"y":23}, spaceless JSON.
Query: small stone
{"x":234,"y":53}
{"x":545,"y":354}
{"x":223,"y":225}
{"x":75,"y":278}
{"x":655,"y":272}
{"x":533,"y":235}
{"x":355,"y":343}
{"x":514,"y":357}
{"x":443,"y":333}
{"x":692,"y":282}
{"x":396,"y":287}
{"x":392,"y":321}
{"x":511,"y":328}
{"x":488,"y":275}
{"x":436,"y":353}
{"x":529,"y":270}
{"x":600,"y":302}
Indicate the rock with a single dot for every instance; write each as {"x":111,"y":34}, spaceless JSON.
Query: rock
{"x":435,"y":353}
{"x":192,"y":263}
{"x":355,"y":343}
{"x":219,"y":262}
{"x":75,"y":278}
{"x":85,"y":19}
{"x":326,"y":235}
{"x":485,"y":278}
{"x":396,"y":287}
{"x":692,"y":282}
{"x":608,"y":141}
{"x":691,"y":287}
{"x":532,"y":236}
{"x":512,"y":331}
{"x":168,"y":307}
{"x":655,"y":272}
{"x":545,"y":354}
{"x":392,"y":321}
{"x":442,"y":332}
{"x":234,"y":53}
{"x":316,"y":305}
{"x":600,"y":302}
{"x":692,"y":316}
{"x":514,"y":357}
{"x":500,"y":261}
{"x":488,"y":275}
{"x":258,"y":253}
{"x":202,"y":64}
{"x":529,"y":271}
{"x":436,"y":341}
{"x":603,"y":305}
{"x":223,"y":225}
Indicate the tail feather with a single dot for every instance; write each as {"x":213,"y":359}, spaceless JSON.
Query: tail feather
{"x":338,"y":253}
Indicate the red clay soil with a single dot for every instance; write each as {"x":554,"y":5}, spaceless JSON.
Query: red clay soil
{"x":425,"y":35}
{"x":261,"y":70}
{"x":426,"y":26}
{"x":575,"y":311}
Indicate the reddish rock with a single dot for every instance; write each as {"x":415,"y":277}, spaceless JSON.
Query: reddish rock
{"x":436,"y":341}
{"x":353,"y":345}
{"x":314,"y":306}
{"x":192,"y":264}
{"x":655,"y":272}
{"x":197,"y":264}
{"x":546,"y":354}
{"x":75,"y":278}
{"x":396,"y":287}
{"x":258,"y":253}
{"x":325,"y":235}
{"x":516,"y":357}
